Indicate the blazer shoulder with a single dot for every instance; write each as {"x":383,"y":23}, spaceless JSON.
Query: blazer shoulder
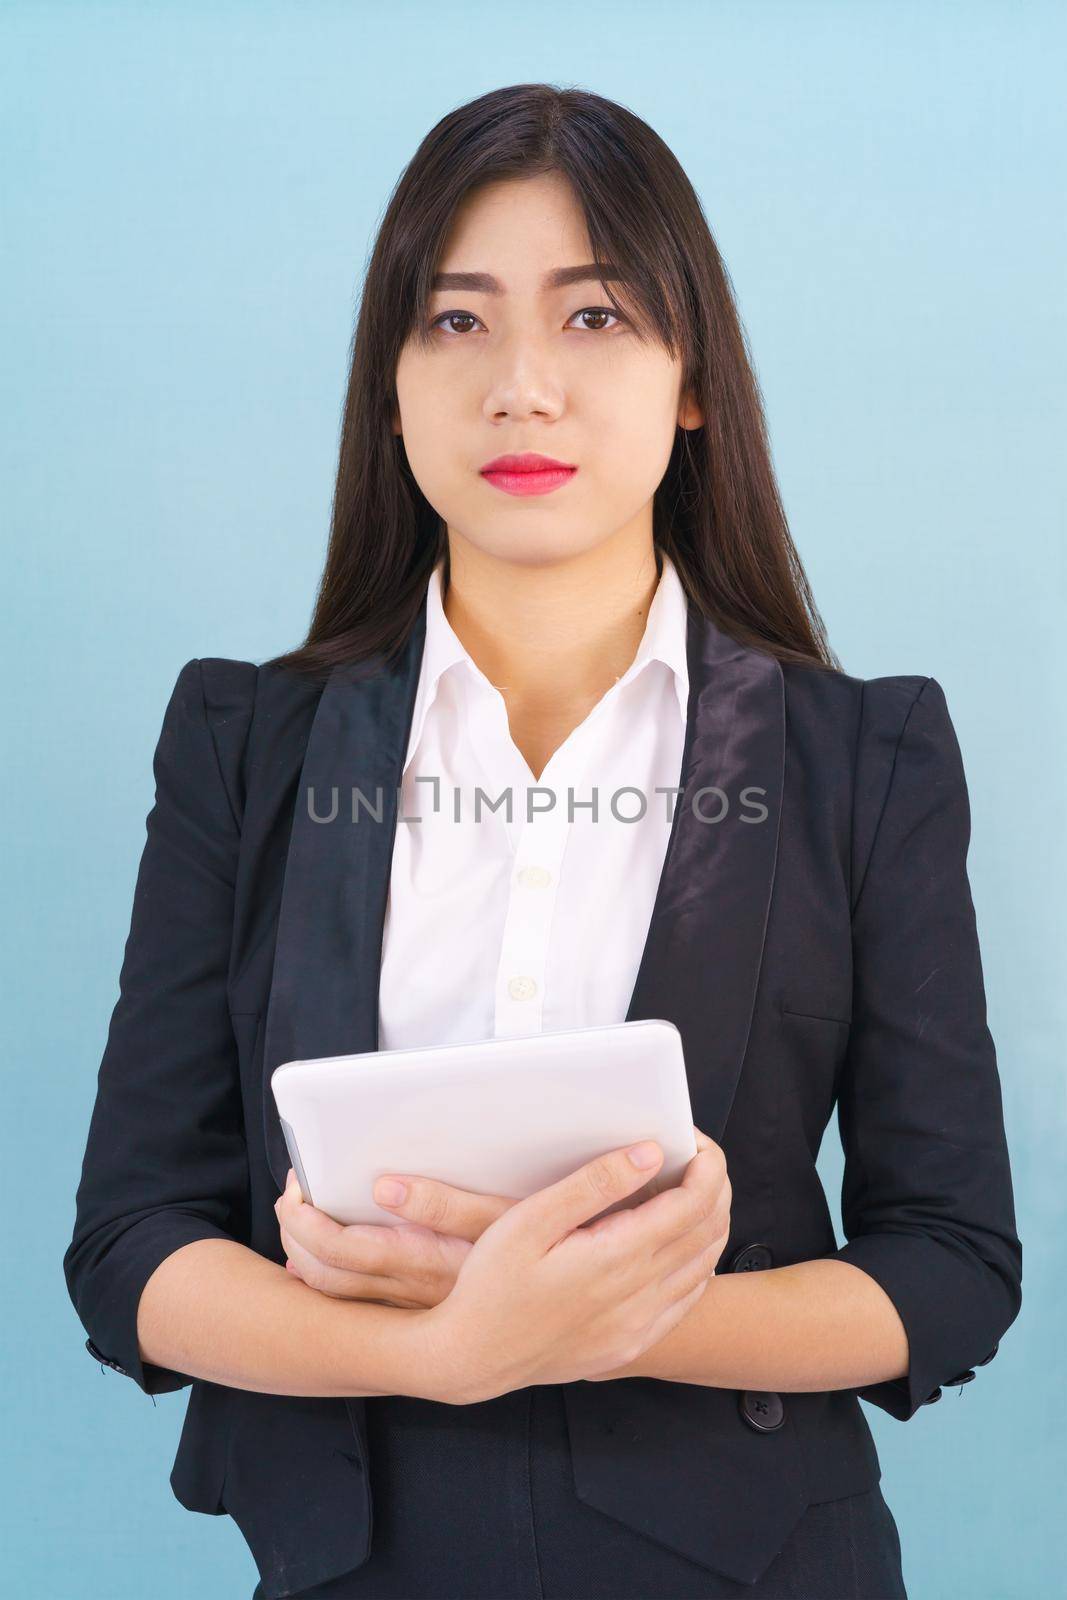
{"x":908,"y":763}
{"x":249,"y":722}
{"x":260,"y":716}
{"x":861,"y":710}
{"x":230,"y":692}
{"x":240,"y":691}
{"x":902,"y":716}
{"x":888,"y":701}
{"x":207,"y":722}
{"x":227,"y":682}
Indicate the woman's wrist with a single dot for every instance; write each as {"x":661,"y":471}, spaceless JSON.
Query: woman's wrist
{"x":399,"y":1351}
{"x":433,"y":1365}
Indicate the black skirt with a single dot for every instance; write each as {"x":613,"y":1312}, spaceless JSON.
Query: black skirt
{"x":478,"y":1503}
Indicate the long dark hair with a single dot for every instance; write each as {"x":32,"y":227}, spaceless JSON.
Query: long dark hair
{"x":717,"y":512}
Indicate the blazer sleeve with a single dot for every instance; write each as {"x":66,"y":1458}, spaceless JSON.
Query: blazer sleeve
{"x":165,"y":1160}
{"x":927,"y":1202}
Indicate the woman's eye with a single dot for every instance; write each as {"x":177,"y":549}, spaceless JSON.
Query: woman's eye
{"x":447,"y":319}
{"x":454,"y":316}
{"x":597,"y":311}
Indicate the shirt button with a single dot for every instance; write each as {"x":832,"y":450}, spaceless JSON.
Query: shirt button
{"x":534,"y":877}
{"x":521,"y":988}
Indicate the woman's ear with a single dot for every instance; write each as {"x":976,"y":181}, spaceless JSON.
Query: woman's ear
{"x":689,"y":413}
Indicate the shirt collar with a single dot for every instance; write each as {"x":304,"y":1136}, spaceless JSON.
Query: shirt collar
{"x":664,"y":639}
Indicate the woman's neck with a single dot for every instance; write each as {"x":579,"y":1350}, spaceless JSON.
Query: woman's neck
{"x":553,"y":634}
{"x":553,"y":637}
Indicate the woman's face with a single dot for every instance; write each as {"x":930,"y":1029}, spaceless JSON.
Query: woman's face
{"x":535,"y":366}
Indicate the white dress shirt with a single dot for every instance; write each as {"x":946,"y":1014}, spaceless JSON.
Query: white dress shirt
{"x":496,"y":927}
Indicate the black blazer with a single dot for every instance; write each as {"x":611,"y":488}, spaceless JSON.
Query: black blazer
{"x":826,"y":955}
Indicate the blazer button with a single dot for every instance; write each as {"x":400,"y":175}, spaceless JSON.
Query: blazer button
{"x":990,"y":1356}
{"x":930,"y":1398}
{"x":762,"y":1411}
{"x":751,"y":1257}
{"x":961,"y":1377}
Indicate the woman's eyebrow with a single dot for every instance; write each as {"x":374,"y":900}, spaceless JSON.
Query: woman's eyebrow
{"x":558,"y":278}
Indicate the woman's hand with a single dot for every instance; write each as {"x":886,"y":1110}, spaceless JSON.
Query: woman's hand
{"x":540,"y":1298}
{"x":412,"y":1265}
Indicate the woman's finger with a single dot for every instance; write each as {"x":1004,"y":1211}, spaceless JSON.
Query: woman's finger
{"x":420,"y":1272}
{"x":370,"y":1249}
{"x":352,"y":1247}
{"x":460,"y":1213}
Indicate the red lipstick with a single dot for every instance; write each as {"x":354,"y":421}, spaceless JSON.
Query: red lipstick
{"x":529,"y":473}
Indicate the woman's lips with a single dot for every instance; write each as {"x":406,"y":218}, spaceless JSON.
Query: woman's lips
{"x":540,"y":481}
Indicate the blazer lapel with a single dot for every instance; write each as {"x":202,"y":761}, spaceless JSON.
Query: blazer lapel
{"x":701,"y":959}
{"x":702,"y":955}
{"x":327,"y":960}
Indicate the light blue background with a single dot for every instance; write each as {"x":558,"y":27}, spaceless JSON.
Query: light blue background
{"x":190,"y":192}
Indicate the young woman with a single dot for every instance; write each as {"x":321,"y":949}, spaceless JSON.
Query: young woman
{"x":495,"y":1399}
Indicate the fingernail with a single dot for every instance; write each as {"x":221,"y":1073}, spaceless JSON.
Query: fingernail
{"x":644,"y":1155}
{"x":390,"y":1191}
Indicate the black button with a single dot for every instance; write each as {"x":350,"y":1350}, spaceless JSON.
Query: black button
{"x":930,"y":1398}
{"x":990,"y":1356}
{"x":961,"y":1377}
{"x":752,"y":1257}
{"x":762,"y":1410}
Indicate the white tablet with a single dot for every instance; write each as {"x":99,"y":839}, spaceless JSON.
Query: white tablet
{"x":502,"y":1116}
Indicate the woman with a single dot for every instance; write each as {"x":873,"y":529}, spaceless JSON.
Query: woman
{"x":494,"y":1399}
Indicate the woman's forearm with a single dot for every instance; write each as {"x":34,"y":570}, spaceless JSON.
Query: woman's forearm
{"x":816,"y":1325}
{"x":216,"y":1310}
{"x":219,"y":1311}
